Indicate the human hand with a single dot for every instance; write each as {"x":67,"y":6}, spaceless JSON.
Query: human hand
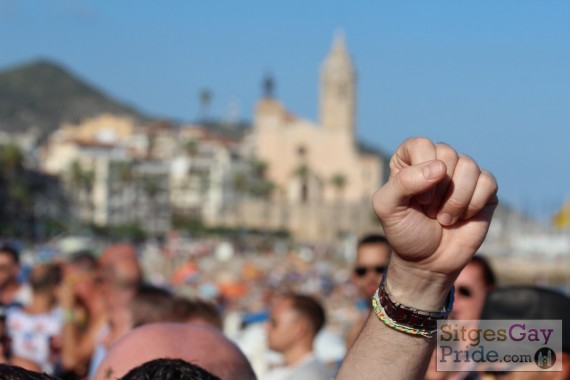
{"x":66,"y":292}
{"x":435,"y":209}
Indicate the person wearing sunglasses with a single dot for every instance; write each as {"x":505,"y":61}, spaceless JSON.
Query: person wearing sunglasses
{"x":372,"y":256}
{"x":472,"y":285}
{"x":475,"y":281}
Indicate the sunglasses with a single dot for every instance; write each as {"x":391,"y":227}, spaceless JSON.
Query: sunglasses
{"x":361,"y":271}
{"x":464,"y":291}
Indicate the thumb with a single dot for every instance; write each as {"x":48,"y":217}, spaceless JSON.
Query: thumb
{"x":407,"y":183}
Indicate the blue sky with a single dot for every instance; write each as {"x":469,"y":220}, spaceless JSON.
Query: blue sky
{"x":489,"y":77}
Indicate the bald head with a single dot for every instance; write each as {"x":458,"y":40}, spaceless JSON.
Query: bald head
{"x":198,"y":344}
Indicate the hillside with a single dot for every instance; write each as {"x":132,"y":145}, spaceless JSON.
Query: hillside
{"x":42,"y":94}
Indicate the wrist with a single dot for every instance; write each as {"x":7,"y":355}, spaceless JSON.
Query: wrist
{"x":417,"y":287}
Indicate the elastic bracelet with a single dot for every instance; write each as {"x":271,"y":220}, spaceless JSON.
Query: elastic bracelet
{"x":381,"y":314}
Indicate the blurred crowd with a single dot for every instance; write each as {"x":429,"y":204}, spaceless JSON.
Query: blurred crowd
{"x":290,"y":313}
{"x":61,"y":315}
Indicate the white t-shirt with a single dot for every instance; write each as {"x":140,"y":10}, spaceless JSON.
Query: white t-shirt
{"x":33,"y":336}
{"x":307,"y":369}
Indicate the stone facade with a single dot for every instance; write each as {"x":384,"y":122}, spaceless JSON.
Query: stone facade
{"x":312,"y":162}
{"x":323,"y":181}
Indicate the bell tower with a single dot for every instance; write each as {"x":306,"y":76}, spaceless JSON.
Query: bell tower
{"x":338,"y":89}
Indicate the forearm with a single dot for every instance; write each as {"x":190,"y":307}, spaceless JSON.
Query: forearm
{"x":69,"y":357}
{"x":381,"y":353}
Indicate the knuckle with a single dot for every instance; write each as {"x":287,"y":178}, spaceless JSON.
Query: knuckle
{"x":454,"y":204}
{"x":377,"y":202}
{"x":467,"y":163}
{"x":489,"y":181}
{"x":445,"y":152}
{"x":418,"y":142}
{"x":472,"y":209}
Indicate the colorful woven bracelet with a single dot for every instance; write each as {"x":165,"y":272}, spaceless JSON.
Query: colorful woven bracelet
{"x":381,"y":314}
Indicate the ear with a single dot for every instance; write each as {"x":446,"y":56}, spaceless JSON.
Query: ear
{"x":301,"y":328}
{"x":565,"y":373}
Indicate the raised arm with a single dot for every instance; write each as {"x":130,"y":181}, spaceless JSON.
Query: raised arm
{"x":435,"y":210}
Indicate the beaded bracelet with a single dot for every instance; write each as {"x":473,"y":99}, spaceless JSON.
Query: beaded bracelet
{"x":381,"y":314}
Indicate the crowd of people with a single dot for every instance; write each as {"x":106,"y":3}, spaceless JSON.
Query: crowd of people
{"x":101,"y":316}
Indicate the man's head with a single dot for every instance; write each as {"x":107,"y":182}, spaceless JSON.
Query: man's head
{"x":519,"y":303}
{"x":121,"y":275}
{"x":197,"y":311}
{"x":197,"y":344}
{"x":81,"y":270}
{"x":151,"y":304}
{"x":17,"y":373}
{"x":166,"y":369}
{"x":44,"y":279}
{"x":471,"y":288}
{"x":372,"y":256}
{"x":295,"y":320}
{"x":9,"y":265}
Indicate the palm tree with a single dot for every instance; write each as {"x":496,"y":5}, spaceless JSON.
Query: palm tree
{"x":151,"y":187}
{"x":77,"y":178}
{"x":338,"y":181}
{"x":303,"y":172}
{"x":191,"y":147}
{"x":259,"y":168}
{"x":88,"y":181}
{"x":240,"y":185}
{"x":126,"y":176}
{"x":205,"y":100}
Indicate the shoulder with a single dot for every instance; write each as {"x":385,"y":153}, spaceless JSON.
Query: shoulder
{"x":312,"y":370}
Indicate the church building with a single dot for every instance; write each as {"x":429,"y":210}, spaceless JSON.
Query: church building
{"x":314,"y":162}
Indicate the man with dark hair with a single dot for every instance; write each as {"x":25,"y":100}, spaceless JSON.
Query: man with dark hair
{"x":151,"y":304}
{"x":9,"y":372}
{"x":169,"y":369}
{"x":197,"y":311}
{"x":294,"y":322}
{"x":473,"y":284}
{"x":372,"y":256}
{"x":12,"y":292}
{"x":531,"y":303}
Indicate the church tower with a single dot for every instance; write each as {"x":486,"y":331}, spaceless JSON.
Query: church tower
{"x":338,"y":89}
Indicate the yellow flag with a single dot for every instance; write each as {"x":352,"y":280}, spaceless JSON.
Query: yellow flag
{"x":562,"y":218}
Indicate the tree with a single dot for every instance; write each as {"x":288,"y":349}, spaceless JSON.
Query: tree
{"x":11,"y":158}
{"x":191,"y":147}
{"x":303,"y":172}
{"x":339,"y":183}
{"x":259,"y":168}
{"x":25,"y":195}
{"x":126,"y":176}
{"x":151,"y":187}
{"x":205,"y":100}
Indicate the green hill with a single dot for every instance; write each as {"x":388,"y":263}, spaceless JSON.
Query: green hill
{"x":42,"y":95}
